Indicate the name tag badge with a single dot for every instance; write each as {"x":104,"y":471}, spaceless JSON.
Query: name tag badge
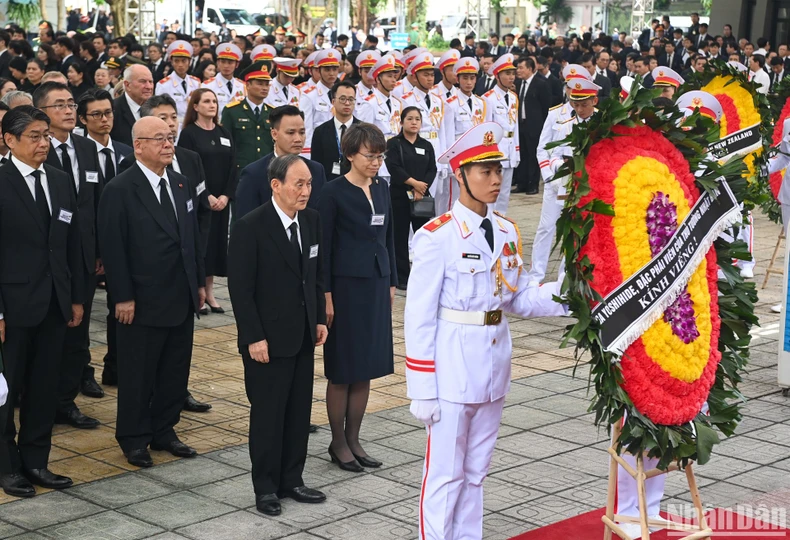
{"x":377,"y":220}
{"x":314,"y":251}
{"x":336,"y":168}
{"x":201,"y":187}
{"x":473,"y":256}
{"x":420,"y":151}
{"x":190,"y":205}
{"x":92,"y":177}
{"x":65,"y":216}
{"x":224,"y":141}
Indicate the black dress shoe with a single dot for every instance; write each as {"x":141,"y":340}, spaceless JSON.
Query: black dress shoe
{"x":16,"y":485}
{"x":268,"y":504}
{"x":193,"y":405}
{"x":350,"y":466}
{"x":304,"y":494}
{"x":90,"y":388}
{"x":401,"y":286}
{"x":139,"y":458}
{"x":177,"y":448}
{"x":367,"y":461}
{"x":518,"y":189}
{"x":75,"y":418}
{"x":531,"y":192}
{"x":217,"y":309}
{"x":312,"y":429}
{"x":47,"y":479}
{"x":108,"y":378}
{"x":203,"y":310}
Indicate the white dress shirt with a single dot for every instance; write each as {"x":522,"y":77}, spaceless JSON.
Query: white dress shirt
{"x":153,"y":179}
{"x":338,"y":123}
{"x":253,"y":105}
{"x":287,"y":221}
{"x":103,"y":157}
{"x":133,"y":105}
{"x":75,"y":169}
{"x":27,"y":173}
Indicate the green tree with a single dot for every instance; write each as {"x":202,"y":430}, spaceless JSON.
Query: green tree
{"x":555,"y":11}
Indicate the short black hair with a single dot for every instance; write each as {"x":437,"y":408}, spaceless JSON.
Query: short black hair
{"x":762,"y":42}
{"x":4,"y":106}
{"x":759,"y":58}
{"x":41,"y":93}
{"x":101,"y":37}
{"x":341,"y":84}
{"x":493,"y":34}
{"x":776,"y":61}
{"x":455,"y":42}
{"x":373,"y":40}
{"x":68,"y":43}
{"x":153,"y":102}
{"x":488,"y":55}
{"x":529,"y":61}
{"x":587,"y":57}
{"x":16,"y":120}
{"x":407,"y":110}
{"x":5,"y":37}
{"x":157,"y":46}
{"x":511,"y":36}
{"x":360,"y":134}
{"x":91,"y":96}
{"x":483,"y":45}
{"x":121,"y":42}
{"x":285,"y":110}
{"x":342,"y":37}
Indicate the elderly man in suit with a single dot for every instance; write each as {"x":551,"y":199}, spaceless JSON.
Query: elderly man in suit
{"x":77,"y":157}
{"x":41,"y":293}
{"x":288,"y":132}
{"x":275,"y":281}
{"x":327,"y":136}
{"x":138,"y":85}
{"x":152,"y":254}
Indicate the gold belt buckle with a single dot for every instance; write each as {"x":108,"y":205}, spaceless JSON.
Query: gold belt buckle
{"x":493,"y":317}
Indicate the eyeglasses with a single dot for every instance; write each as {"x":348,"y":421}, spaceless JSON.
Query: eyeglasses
{"x":61,"y":106}
{"x":160,"y":139}
{"x":36,"y":138}
{"x":374,"y":157}
{"x":98,"y":115}
{"x":346,"y":100}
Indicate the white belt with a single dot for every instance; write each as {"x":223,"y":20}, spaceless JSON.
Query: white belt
{"x":477,"y":318}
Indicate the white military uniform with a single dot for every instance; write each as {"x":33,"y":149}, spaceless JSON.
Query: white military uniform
{"x":362,"y":93}
{"x":376,"y":111}
{"x":317,"y":109}
{"x":781,"y":162}
{"x":432,"y":128}
{"x":219,"y":85}
{"x":277,"y":97}
{"x":403,"y":86}
{"x":552,"y":207}
{"x":443,"y":93}
{"x":466,"y":367}
{"x":174,"y":87}
{"x":505,"y":113}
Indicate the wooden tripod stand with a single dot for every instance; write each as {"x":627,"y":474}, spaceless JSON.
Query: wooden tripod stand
{"x":640,"y":475}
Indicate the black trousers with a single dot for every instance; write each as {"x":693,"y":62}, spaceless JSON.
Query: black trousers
{"x":32,"y":357}
{"x":527,"y":174}
{"x":111,"y":357}
{"x":402,"y":221}
{"x":153,"y":370}
{"x":76,"y":353}
{"x":281,"y":396}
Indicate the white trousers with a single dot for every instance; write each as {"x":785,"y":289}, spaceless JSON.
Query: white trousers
{"x":544,"y":236}
{"x":627,"y":495}
{"x":446,"y":193}
{"x":746,"y":234}
{"x":457,"y":458}
{"x":785,"y":216}
{"x":504,"y":195}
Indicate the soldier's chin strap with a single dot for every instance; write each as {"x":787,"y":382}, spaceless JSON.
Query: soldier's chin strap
{"x":466,"y":185}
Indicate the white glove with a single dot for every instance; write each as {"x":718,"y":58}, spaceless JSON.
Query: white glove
{"x":3,"y":390}
{"x":426,"y":411}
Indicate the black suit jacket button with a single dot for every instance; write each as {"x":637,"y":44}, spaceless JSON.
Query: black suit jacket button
{"x":304,"y":281}
{"x":303,"y":302}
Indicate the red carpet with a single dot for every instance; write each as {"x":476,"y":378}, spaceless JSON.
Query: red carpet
{"x":590,"y":527}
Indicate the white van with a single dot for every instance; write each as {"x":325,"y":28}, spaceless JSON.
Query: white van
{"x":236,"y":18}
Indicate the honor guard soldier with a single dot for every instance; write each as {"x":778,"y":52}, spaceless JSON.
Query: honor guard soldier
{"x":626,"y":84}
{"x":381,"y":108}
{"x":309,"y":64}
{"x":317,"y":101}
{"x":398,"y":56}
{"x":282,"y":91}
{"x":227,"y":88}
{"x":502,"y":108}
{"x":445,"y":88}
{"x":668,"y":80}
{"x":431,"y":106}
{"x":458,"y":345}
{"x":552,"y":206}
{"x":365,"y":62}
{"x":263,"y":52}
{"x":248,"y":119}
{"x":462,"y":112}
{"x":404,"y":86}
{"x":178,"y":84}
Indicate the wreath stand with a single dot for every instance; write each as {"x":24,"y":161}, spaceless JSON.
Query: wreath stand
{"x":610,"y":519}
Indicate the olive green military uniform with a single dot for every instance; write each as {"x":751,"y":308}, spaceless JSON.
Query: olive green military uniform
{"x":253,"y":138}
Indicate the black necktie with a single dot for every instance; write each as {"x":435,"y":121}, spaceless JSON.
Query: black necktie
{"x":3,"y":161}
{"x":342,"y":131}
{"x":184,"y":86}
{"x":109,"y":166}
{"x":285,"y":92}
{"x":230,"y":87}
{"x":523,"y":98}
{"x":389,"y":105}
{"x":486,"y":225}
{"x":294,"y":228}
{"x":167,"y":203}
{"x":507,"y":100}
{"x":428,"y":101}
{"x":471,"y":107}
{"x":370,"y":92}
{"x":331,"y":95}
{"x":449,"y":92}
{"x":41,"y":199}
{"x":257,"y":112}
{"x":67,"y":168}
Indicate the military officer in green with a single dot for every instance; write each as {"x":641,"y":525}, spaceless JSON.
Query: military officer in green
{"x":248,"y":119}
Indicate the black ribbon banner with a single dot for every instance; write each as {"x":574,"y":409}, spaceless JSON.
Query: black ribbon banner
{"x":739,"y":143}
{"x":626,"y":312}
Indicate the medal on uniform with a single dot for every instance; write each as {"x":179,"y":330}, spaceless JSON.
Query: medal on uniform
{"x":436,"y":117}
{"x":511,"y":113}
{"x":395,"y":122}
{"x":477,"y":118}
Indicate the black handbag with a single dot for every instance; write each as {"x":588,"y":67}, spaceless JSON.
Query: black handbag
{"x":425,"y":207}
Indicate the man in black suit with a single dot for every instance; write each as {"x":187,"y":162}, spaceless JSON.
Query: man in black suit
{"x":138,"y":85}
{"x":64,"y":48}
{"x":642,"y":68}
{"x":189,"y":164}
{"x":156,"y":61}
{"x":77,"y":157}
{"x":41,"y":293}
{"x":602,"y":60}
{"x":601,"y":80}
{"x":671,"y":58}
{"x":327,"y":136}
{"x":152,"y":254}
{"x":555,"y":85}
{"x":288,"y":132}
{"x":496,"y":49}
{"x":534,"y":100}
{"x":777,"y":73}
{"x":485,"y":82}
{"x":275,"y":281}
{"x":469,"y":47}
{"x":511,"y":47}
{"x":5,"y":54}
{"x":100,"y":44}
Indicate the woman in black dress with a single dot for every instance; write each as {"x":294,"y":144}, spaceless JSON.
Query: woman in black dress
{"x":360,"y":277}
{"x":47,"y":55}
{"x":411,"y":162}
{"x":203,"y":134}
{"x":77,"y":83}
{"x":35,"y":71}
